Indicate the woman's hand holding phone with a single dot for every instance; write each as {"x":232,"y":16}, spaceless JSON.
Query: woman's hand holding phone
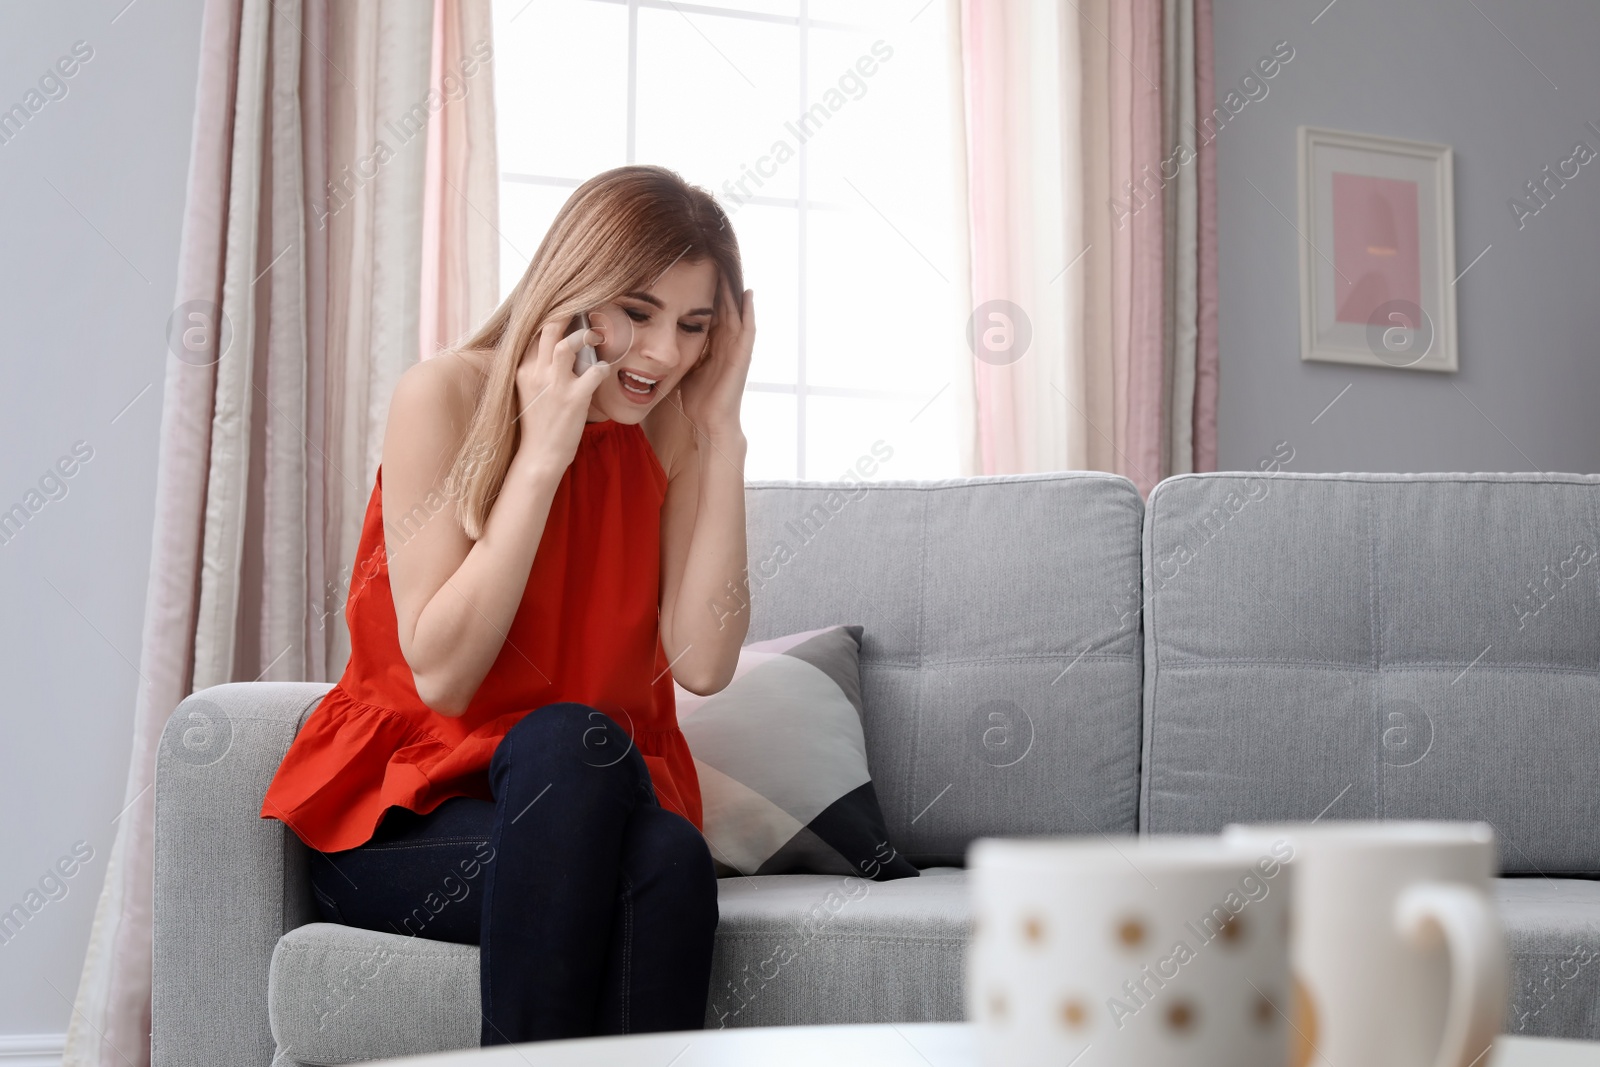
{"x":553,"y":401}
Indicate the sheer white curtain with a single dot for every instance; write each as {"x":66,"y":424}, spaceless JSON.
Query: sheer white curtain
{"x":300,"y":271}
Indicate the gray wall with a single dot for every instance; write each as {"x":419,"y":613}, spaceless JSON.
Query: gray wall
{"x":1528,"y":313}
{"x":91,"y":193}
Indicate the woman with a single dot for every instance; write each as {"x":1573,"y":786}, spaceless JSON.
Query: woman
{"x":543,"y":554}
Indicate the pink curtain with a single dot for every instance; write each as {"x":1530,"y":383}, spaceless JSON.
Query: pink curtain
{"x":1023,"y":402}
{"x":1091,"y":208}
{"x":991,"y":111}
{"x":300,"y":267}
{"x":461,"y":192}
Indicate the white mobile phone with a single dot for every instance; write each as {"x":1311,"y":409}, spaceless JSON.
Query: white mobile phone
{"x":586,"y":354}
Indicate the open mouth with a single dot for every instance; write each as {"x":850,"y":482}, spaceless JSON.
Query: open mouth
{"x":637,"y":387}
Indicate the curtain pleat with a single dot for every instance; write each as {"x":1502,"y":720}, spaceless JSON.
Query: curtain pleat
{"x":1093,"y":276}
{"x":350,"y":144}
{"x":1205,"y":364}
{"x":1171,"y":269}
{"x":959,"y":106}
{"x":1182,"y":239}
{"x":1147,"y":292}
{"x":321,"y":565}
{"x":281,"y":651}
{"x":229,"y":465}
{"x":1120,"y":74}
{"x":1065,"y":281}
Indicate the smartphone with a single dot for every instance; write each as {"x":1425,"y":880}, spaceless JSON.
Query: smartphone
{"x":618,"y":329}
{"x":586,"y":354}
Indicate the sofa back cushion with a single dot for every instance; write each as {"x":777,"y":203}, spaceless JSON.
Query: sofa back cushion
{"x":1377,"y":646}
{"x":1000,"y":664}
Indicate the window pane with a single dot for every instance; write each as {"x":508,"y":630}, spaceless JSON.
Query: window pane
{"x":721,"y":99}
{"x":526,"y":212}
{"x":889,"y":13}
{"x":878,"y":103}
{"x":768,"y":420}
{"x":561,"y":87}
{"x":790,"y":8}
{"x":879,"y":439}
{"x":863,"y":303}
{"x":769,"y":243}
{"x":881,"y":270}
{"x":714,"y":94}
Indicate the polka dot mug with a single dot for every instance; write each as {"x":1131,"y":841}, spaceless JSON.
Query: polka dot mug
{"x":1111,"y":951}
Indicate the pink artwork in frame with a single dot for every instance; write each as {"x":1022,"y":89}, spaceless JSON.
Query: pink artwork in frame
{"x":1377,"y":253}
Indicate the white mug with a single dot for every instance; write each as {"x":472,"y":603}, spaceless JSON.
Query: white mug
{"x":1398,"y":953}
{"x":1149,"y":951}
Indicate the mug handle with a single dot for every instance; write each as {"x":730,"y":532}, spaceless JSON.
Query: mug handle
{"x":1470,"y":928}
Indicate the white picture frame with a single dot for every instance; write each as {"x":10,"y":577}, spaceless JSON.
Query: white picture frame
{"x":1377,"y":251}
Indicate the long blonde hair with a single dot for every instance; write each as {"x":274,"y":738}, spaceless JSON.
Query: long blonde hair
{"x":618,"y":231}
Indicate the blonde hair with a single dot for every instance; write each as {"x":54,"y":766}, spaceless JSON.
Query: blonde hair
{"x":618,"y":231}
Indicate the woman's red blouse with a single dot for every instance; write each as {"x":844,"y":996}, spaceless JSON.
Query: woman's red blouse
{"x":587,"y":630}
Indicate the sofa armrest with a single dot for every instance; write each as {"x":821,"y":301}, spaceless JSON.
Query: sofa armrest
{"x":228,"y":883}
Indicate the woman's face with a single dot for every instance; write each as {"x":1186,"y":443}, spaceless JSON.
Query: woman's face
{"x":670,"y":322}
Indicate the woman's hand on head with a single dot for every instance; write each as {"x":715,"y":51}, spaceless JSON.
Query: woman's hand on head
{"x":711,"y":392}
{"x":553,"y":401}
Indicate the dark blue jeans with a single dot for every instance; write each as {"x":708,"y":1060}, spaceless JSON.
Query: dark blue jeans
{"x":594,"y":907}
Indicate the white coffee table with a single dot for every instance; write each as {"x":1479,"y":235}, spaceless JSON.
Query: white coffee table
{"x":876,"y":1045}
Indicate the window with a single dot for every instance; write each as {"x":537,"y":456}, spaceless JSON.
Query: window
{"x":823,"y":127}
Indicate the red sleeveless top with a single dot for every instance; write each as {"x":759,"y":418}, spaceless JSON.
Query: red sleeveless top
{"x":587,"y":630}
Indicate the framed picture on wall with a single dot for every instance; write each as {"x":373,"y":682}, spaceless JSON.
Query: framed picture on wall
{"x":1377,"y":254}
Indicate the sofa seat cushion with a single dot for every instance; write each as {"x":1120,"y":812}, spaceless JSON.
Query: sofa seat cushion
{"x":796,"y":949}
{"x":790,"y":949}
{"x":1553,"y":934}
{"x":809,"y":949}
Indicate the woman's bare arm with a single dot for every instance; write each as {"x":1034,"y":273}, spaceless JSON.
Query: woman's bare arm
{"x":704,"y":590}
{"x":455,"y":598}
{"x":705,"y":601}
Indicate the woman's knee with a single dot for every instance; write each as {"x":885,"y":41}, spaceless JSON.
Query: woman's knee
{"x":666,"y":847}
{"x":568,"y":738}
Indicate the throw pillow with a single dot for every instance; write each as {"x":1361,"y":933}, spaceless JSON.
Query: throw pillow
{"x":782,"y":760}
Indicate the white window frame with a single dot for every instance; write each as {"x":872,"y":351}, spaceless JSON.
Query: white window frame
{"x":801,"y":204}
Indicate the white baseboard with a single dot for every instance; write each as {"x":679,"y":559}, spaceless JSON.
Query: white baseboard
{"x":32,"y":1050}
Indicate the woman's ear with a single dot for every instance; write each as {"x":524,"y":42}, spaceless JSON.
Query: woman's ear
{"x":705,"y":351}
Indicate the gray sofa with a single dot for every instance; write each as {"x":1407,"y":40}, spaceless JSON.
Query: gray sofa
{"x":1043,"y":654}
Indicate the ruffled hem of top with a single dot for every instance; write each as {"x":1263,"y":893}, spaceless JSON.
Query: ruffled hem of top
{"x":351,"y":762}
